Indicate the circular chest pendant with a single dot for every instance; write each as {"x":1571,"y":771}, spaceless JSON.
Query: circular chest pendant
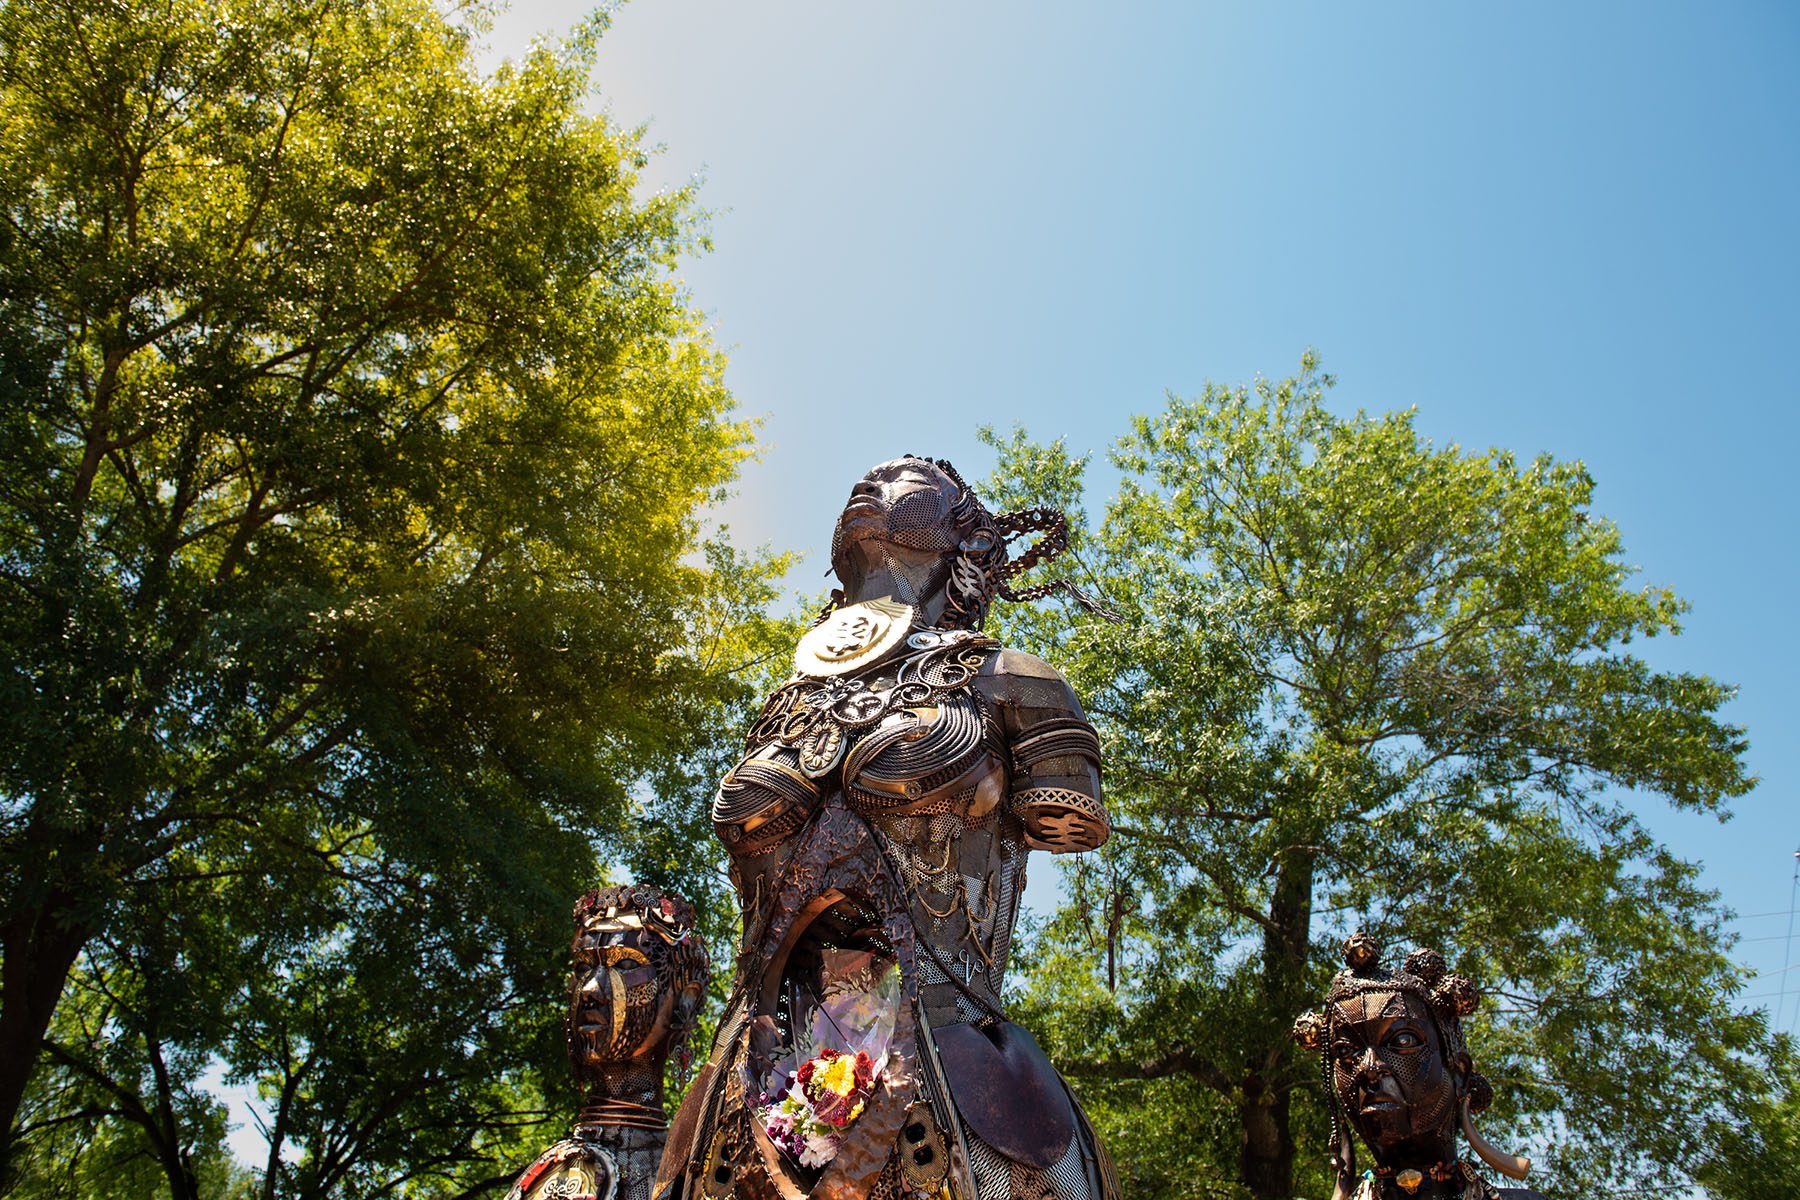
{"x":853,"y":637}
{"x":570,"y":1170}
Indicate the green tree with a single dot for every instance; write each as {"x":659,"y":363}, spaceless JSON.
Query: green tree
{"x":353,"y":436}
{"x":1758,"y":1157}
{"x":1366,"y":681}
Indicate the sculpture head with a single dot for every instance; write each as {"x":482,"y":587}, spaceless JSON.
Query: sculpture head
{"x":914,"y":525}
{"x":1392,"y":1076}
{"x":1399,"y":1068}
{"x":639,"y":979}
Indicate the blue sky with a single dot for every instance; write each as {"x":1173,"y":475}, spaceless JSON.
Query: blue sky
{"x":1549,"y":227}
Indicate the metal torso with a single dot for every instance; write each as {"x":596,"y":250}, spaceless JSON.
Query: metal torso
{"x":913,"y":751}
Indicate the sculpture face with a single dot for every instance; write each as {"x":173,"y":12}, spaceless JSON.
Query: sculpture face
{"x":1401,"y":1073}
{"x":1389,"y":1070}
{"x":639,"y":976}
{"x":617,"y":1011}
{"x":637,"y":982}
{"x":905,"y":503}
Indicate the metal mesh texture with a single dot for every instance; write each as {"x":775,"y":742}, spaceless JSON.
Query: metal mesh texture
{"x":936,"y":887}
{"x":1011,"y":886}
{"x":728,"y":1033}
{"x":1422,"y":1077}
{"x":889,"y":1185}
{"x":999,"y":1178}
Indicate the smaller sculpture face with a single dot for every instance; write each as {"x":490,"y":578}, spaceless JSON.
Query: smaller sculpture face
{"x":616,"y":1009}
{"x":1400,"y":1068}
{"x":1389,"y":1069}
{"x":638,"y":980}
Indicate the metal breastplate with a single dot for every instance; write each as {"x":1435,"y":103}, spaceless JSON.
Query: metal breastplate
{"x":910,"y":736}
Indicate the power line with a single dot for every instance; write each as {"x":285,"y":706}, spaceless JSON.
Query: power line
{"x":1788,"y":956}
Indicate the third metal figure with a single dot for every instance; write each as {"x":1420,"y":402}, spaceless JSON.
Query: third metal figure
{"x":878,"y":827}
{"x":1400,"y":1075}
{"x":639,"y":978}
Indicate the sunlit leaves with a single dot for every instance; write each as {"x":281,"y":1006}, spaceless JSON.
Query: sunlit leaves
{"x":355,"y":436}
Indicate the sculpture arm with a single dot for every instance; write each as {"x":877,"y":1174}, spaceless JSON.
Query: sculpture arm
{"x":1055,"y":776}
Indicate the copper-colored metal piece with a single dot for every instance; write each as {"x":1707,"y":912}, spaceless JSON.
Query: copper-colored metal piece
{"x":882,"y":813}
{"x":1060,"y":819}
{"x":639,"y":977}
{"x":1007,"y":1091}
{"x":722,"y":1157}
{"x":924,"y":1152}
{"x":1510,"y":1165}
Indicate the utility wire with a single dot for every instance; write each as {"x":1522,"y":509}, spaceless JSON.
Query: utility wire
{"x":1788,"y":956}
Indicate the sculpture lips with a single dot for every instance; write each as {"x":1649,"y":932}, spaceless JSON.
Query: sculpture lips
{"x":1379,"y":1096}
{"x":862,"y":518}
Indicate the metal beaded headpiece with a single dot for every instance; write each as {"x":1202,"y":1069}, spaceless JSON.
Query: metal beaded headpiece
{"x":983,"y":567}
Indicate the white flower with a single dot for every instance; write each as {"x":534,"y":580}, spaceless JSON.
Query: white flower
{"x":821,"y":1148}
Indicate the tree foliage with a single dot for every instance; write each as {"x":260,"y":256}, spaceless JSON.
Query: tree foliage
{"x":1758,"y":1157}
{"x":1366,"y":681}
{"x":353,"y":438}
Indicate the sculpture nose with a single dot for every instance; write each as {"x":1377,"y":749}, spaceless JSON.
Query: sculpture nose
{"x":867,"y":487}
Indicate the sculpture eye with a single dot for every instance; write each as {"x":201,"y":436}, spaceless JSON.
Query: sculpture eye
{"x":1406,"y":1039}
{"x":1344,"y":1051}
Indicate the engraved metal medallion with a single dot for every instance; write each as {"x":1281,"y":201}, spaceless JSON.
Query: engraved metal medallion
{"x":852,"y":637}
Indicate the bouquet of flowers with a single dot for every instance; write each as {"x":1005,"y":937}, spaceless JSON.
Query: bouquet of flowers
{"x":826,"y":1096}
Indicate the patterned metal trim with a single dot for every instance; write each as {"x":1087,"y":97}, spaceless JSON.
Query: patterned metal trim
{"x":1060,"y":820}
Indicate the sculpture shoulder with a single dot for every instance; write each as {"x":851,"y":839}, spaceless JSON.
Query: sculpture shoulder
{"x":1026,"y":688}
{"x":1022,"y":664}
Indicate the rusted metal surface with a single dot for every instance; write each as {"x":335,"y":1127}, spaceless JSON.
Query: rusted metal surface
{"x":1393,"y":1051}
{"x":1007,"y":1091}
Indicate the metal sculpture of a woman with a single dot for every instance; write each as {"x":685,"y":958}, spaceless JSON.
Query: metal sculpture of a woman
{"x":878,"y":827}
{"x":1399,"y":1074}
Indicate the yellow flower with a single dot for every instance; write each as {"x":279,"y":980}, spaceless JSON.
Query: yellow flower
{"x":839,"y":1075}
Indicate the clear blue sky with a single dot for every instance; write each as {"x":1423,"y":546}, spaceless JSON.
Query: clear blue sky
{"x":1554,"y":227}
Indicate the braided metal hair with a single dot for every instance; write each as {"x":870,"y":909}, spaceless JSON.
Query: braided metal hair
{"x":985,"y":568}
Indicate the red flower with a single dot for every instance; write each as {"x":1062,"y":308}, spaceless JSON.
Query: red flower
{"x":805,"y":1073}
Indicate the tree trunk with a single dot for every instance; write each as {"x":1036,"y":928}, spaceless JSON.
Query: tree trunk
{"x":1266,"y":1156}
{"x":38,"y":959}
{"x":1266,"y":1163}
{"x":165,"y":1129}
